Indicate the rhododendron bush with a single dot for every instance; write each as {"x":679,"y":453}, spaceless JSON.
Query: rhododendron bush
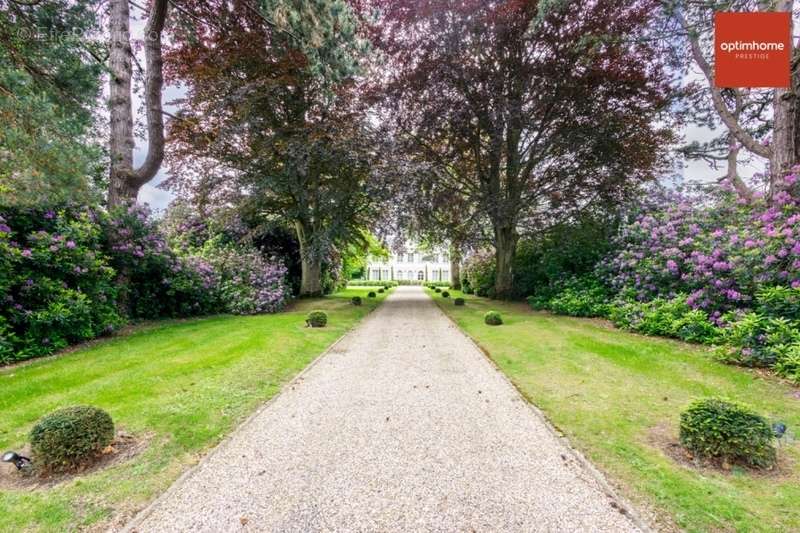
{"x":704,"y":265}
{"x":71,"y":274}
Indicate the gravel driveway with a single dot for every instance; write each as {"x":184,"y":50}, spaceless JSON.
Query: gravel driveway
{"x":402,"y":426}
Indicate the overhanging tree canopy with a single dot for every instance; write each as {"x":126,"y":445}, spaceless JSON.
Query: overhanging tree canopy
{"x":555,"y":103}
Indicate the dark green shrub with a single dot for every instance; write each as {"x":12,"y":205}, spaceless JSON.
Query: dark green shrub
{"x":437,"y":289}
{"x":578,"y":297}
{"x":787,"y":364}
{"x":779,"y":302}
{"x":445,"y":294}
{"x":756,"y":341}
{"x":715,"y":428}
{"x":493,"y":318}
{"x":381,"y":289}
{"x":468,"y":290}
{"x":317,"y":319}
{"x":458,"y":301}
{"x":371,"y":294}
{"x":355,"y":300}
{"x":386,"y":287}
{"x":70,"y":437}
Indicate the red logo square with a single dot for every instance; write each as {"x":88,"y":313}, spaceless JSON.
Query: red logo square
{"x":752,"y":49}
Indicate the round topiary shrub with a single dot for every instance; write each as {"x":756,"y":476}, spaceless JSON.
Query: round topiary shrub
{"x":386,"y":287}
{"x":317,"y":319}
{"x":355,"y":300}
{"x":458,"y":301}
{"x":70,"y":437}
{"x":381,"y":289}
{"x":715,"y":428}
{"x":437,"y":289}
{"x":371,"y":294}
{"x":445,"y":294}
{"x":493,"y":318}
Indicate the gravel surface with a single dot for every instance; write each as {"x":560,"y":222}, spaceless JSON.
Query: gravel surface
{"x":402,"y":426}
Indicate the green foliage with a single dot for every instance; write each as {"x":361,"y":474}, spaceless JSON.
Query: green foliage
{"x":445,"y":294}
{"x":787,"y":364}
{"x":458,"y":301}
{"x":371,"y":294}
{"x":492,"y":318}
{"x":566,"y":251}
{"x":576,"y":297}
{"x":479,"y":269}
{"x":716,"y":428}
{"x":754,"y":340}
{"x":437,"y":289}
{"x":667,"y":318}
{"x":56,"y":280}
{"x":779,"y":302}
{"x":49,"y":89}
{"x":369,"y":283}
{"x":355,"y":300}
{"x":317,"y":319}
{"x":381,"y":290}
{"x":70,"y":437}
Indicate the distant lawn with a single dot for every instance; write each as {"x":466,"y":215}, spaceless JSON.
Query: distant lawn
{"x":617,"y":396}
{"x":182,"y":385}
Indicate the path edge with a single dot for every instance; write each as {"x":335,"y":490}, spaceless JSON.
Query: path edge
{"x":631,"y":513}
{"x":143,"y":514}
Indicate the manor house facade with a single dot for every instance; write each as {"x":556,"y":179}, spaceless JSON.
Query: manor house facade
{"x":410,"y":265}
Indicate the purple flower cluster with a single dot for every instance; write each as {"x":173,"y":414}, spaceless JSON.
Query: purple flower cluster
{"x":713,"y":247}
{"x":249,"y":283}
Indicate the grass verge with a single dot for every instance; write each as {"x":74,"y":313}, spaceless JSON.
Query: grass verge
{"x":617,"y":396}
{"x":181,"y":386}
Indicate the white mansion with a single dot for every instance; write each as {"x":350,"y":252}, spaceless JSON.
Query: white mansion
{"x":410,"y":266}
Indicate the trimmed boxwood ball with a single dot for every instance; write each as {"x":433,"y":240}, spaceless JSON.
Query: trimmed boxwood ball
{"x":381,"y":289}
{"x":386,"y":287}
{"x":371,"y":294}
{"x":437,"y":289}
{"x":445,"y":294}
{"x":70,"y":437}
{"x":458,"y":301}
{"x":317,"y":319}
{"x":493,"y":318}
{"x":717,"y":428}
{"x":355,"y":300}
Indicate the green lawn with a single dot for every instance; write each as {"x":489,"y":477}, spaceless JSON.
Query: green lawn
{"x":181,"y":385}
{"x":617,"y":396}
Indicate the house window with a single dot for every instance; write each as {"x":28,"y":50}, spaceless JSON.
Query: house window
{"x":410,"y":258}
{"x":445,"y":257}
{"x":435,"y":275}
{"x":376,"y":274}
{"x":420,"y":275}
{"x":385,"y":274}
{"x":400,"y":274}
{"x":445,"y":275}
{"x":399,"y":258}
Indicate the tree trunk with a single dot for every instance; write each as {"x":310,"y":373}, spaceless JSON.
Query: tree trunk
{"x":784,"y":150}
{"x":310,"y":263}
{"x":311,"y":279}
{"x":455,"y":267}
{"x":505,"y":243}
{"x":124,"y":180}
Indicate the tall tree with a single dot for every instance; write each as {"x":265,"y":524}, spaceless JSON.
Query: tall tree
{"x":49,"y":85}
{"x":125,"y":180}
{"x":763,"y":122}
{"x":555,"y":103}
{"x":269,"y":117}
